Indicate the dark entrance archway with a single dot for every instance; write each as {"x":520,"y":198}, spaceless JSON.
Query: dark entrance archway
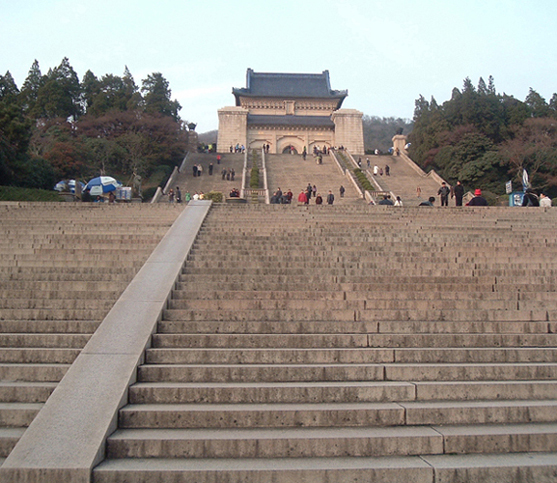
{"x":290,"y":150}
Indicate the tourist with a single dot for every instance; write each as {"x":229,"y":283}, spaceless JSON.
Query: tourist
{"x":419,"y":192}
{"x":342,"y":190}
{"x":530,"y":198}
{"x":289,"y":196}
{"x":330,"y":198}
{"x":111,"y":197}
{"x":178,"y":195}
{"x":375,"y":170}
{"x":218,"y":159}
{"x":387,"y":170}
{"x":232,"y":174}
{"x":196,"y":196}
{"x":368,"y":163}
{"x":223,"y":173}
{"x":458,"y":193}
{"x":86,"y":196}
{"x":386,"y":201}
{"x":429,"y":202}
{"x":318,"y":199}
{"x":302,"y":198}
{"x":171,"y":196}
{"x":545,"y":201}
{"x":194,"y":169}
{"x":210,"y":169}
{"x":398,"y":201}
{"x":444,"y":192}
{"x":199,"y":170}
{"x":478,"y":199}
{"x":187,"y":196}
{"x":314,"y":191}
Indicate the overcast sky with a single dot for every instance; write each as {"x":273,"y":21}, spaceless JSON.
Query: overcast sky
{"x":385,"y":53}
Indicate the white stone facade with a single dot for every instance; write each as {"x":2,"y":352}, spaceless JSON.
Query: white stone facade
{"x":307,"y":118}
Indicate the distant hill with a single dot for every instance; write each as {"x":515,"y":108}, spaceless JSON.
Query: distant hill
{"x":209,"y":137}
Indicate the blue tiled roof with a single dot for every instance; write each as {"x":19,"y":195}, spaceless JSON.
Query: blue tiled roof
{"x":290,"y":86}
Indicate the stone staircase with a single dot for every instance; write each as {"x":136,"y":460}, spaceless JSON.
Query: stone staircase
{"x":206,"y":182}
{"x":403,"y":180}
{"x":289,"y":171}
{"x":62,"y":267}
{"x":359,"y":343}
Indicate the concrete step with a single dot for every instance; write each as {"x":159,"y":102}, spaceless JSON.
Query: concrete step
{"x":269,"y":392}
{"x":348,"y":355}
{"x":44,"y":340}
{"x":260,"y":470}
{"x":273,"y":443}
{"x":350,"y":327}
{"x":49,"y":326}
{"x":18,"y":414}
{"x":25,"y":392}
{"x":8,"y":439}
{"x":173,"y":416}
{"x":343,"y":372}
{"x":293,"y":341}
{"x":38,"y":355}
{"x":33,"y":372}
{"x":329,"y":392}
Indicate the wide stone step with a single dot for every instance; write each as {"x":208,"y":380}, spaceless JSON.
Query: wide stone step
{"x":54,"y":313}
{"x":44,"y":340}
{"x":345,"y":372}
{"x":33,"y":372}
{"x":369,"y":314}
{"x":261,"y":470}
{"x":25,"y":392}
{"x":331,"y":442}
{"x":172,"y":416}
{"x":56,"y":304}
{"x":376,"y":293}
{"x":274,"y":443}
{"x":348,"y":355}
{"x":269,"y":392}
{"x":338,"y":392}
{"x":49,"y":326}
{"x":293,"y":341}
{"x":325,"y":305}
{"x":38,"y":355}
{"x":8,"y":439}
{"x":348,"y":327}
{"x":18,"y":414}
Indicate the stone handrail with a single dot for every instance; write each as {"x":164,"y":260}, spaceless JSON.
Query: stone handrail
{"x":347,"y":173}
{"x":431,"y":174}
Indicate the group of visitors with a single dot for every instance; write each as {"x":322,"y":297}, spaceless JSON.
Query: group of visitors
{"x":239,"y":148}
{"x":228,"y":174}
{"x":377,"y":170}
{"x":234,"y":193}
{"x":280,"y":198}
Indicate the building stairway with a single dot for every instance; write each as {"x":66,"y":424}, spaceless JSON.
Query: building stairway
{"x":359,"y":343}
{"x":291,"y":171}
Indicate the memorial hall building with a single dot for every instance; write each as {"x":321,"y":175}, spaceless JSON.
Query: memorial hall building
{"x":289,"y":112}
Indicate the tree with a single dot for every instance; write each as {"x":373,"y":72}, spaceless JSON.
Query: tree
{"x":156,"y":94}
{"x":30,"y":87}
{"x":534,"y":147}
{"x":537,"y":105}
{"x":60,"y":95}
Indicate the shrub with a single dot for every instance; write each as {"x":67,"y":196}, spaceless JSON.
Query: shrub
{"x":214,"y":196}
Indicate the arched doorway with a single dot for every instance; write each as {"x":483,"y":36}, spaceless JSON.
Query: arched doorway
{"x":289,"y":150}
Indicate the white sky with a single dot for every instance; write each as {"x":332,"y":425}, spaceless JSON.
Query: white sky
{"x":386,"y":53}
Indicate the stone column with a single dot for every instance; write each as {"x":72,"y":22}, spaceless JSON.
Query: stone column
{"x":399,"y":141}
{"x":233,"y":128}
{"x":349,"y":130}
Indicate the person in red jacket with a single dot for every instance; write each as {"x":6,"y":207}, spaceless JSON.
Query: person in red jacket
{"x":302,"y":198}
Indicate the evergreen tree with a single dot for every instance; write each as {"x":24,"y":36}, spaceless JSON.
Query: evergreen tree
{"x":31,"y":86}
{"x":156,"y":94}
